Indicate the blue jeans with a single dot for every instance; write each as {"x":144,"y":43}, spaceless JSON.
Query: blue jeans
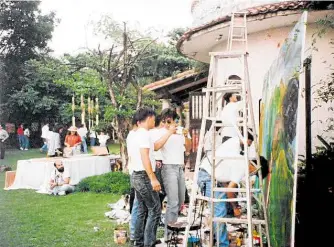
{"x":26,"y":142}
{"x":220,"y":210}
{"x":148,"y":203}
{"x":44,"y":148}
{"x":21,"y":141}
{"x":92,"y":141}
{"x":84,"y":145}
{"x":134,"y":215}
{"x":174,"y":184}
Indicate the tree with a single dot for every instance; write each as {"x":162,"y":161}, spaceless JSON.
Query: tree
{"x":24,"y":33}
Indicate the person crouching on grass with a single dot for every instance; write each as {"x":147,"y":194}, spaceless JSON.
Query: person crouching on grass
{"x":60,"y":180}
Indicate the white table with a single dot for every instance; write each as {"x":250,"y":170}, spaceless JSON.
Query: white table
{"x":35,"y":173}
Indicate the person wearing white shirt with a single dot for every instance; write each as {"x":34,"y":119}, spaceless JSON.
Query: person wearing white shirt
{"x":82,"y":132}
{"x":45,"y":130}
{"x":60,"y":180}
{"x":230,"y":116}
{"x":229,"y":171}
{"x":103,"y":138}
{"x":133,"y":199}
{"x":92,"y":137}
{"x":26,"y":133}
{"x":144,"y":180}
{"x":172,"y":147}
{"x":3,"y":137}
{"x":53,"y":142}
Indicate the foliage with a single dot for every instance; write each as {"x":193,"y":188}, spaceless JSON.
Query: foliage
{"x":24,"y":33}
{"x":38,"y":85}
{"x":113,"y":182}
{"x":325,"y":87}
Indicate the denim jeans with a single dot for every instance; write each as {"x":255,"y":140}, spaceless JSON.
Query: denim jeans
{"x":148,"y":203}
{"x":92,"y":141}
{"x":66,"y":187}
{"x":204,"y":182}
{"x":26,"y":142}
{"x":84,"y":145}
{"x":44,"y":148}
{"x":134,"y":215}
{"x":174,"y":183}
{"x":21,"y":141}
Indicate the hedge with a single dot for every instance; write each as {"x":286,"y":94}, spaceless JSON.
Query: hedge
{"x":113,"y":182}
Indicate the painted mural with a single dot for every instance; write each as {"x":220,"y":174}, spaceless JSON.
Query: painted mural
{"x":278,"y":135}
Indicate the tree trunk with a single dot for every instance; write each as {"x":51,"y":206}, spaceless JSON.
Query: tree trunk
{"x":139,"y":97}
{"x":121,"y":130}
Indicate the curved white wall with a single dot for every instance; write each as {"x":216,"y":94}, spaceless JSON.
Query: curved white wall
{"x":263,"y":48}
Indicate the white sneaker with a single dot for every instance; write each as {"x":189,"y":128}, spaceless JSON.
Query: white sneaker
{"x":61,"y":193}
{"x":26,"y":149}
{"x":21,"y":148}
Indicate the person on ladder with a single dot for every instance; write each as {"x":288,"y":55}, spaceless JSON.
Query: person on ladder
{"x":230,"y":115}
{"x":228,"y":172}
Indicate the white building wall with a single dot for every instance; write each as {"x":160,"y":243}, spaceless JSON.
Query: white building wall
{"x":263,"y":48}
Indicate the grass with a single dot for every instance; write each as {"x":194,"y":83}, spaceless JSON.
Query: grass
{"x":29,"y":219}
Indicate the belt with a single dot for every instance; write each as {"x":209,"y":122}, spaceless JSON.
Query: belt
{"x":139,"y":172}
{"x":203,"y":170}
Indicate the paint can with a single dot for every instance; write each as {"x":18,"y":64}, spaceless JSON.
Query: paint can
{"x":120,"y":235}
{"x":193,"y":242}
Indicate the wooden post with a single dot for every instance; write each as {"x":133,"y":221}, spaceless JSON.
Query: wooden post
{"x":97,"y":110}
{"x":73,"y":109}
{"x":308,"y":111}
{"x":88,"y":110}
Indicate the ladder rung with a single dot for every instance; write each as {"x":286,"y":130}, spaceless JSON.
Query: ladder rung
{"x":229,"y":54}
{"x":239,"y":26}
{"x":210,"y":199}
{"x":231,"y":88}
{"x":238,"y":221}
{"x":228,"y":158}
{"x":241,"y":40}
{"x":218,"y":189}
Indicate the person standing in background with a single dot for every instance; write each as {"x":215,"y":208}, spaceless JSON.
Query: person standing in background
{"x":20,"y":136}
{"x":26,"y":133}
{"x":3,"y":137}
{"x":92,"y":137}
{"x":82,"y":132}
{"x":45,"y":130}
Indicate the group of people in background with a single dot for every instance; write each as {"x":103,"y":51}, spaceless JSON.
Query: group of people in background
{"x":156,"y":147}
{"x":56,"y":138}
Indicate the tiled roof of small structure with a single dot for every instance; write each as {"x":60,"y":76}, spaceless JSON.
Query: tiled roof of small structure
{"x":263,"y":9}
{"x":170,"y":80}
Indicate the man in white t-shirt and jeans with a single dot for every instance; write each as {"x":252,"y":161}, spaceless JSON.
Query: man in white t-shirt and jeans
{"x":144,"y":180}
{"x":60,"y":180}
{"x":172,"y":148}
{"x":230,"y":172}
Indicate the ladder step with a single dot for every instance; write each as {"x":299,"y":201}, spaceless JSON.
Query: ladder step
{"x":229,"y":54}
{"x":238,"y":221}
{"x":219,"y":189}
{"x":227,"y":88}
{"x":239,"y":26}
{"x":241,"y":40}
{"x":229,"y":158}
{"x":210,"y":199}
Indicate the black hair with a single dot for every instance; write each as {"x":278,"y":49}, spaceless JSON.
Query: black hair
{"x":81,"y":125}
{"x":227,"y":97}
{"x":134,"y":119}
{"x":168,"y":113}
{"x":157,"y":120}
{"x":264,"y":166}
{"x":143,"y":113}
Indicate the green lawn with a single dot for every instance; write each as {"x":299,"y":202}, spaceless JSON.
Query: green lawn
{"x":31,"y":219}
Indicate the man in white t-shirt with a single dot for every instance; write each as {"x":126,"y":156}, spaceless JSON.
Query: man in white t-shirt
{"x":144,"y":180}
{"x":60,"y":180}
{"x":172,"y":148}
{"x":82,"y":132}
{"x":229,"y":171}
{"x":230,"y":116}
{"x":45,"y":131}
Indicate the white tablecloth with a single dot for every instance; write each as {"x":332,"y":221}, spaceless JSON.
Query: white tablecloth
{"x":35,"y":173}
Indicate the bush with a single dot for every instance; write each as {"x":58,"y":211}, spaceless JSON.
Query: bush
{"x":113,"y":182}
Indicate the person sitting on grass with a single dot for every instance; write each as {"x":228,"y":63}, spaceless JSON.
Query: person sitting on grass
{"x":60,"y":180}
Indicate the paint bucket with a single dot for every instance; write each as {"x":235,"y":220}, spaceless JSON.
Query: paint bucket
{"x":120,"y":235}
{"x":193,"y":242}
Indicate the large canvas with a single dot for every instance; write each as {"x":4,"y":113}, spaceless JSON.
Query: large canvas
{"x":279,"y":136}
